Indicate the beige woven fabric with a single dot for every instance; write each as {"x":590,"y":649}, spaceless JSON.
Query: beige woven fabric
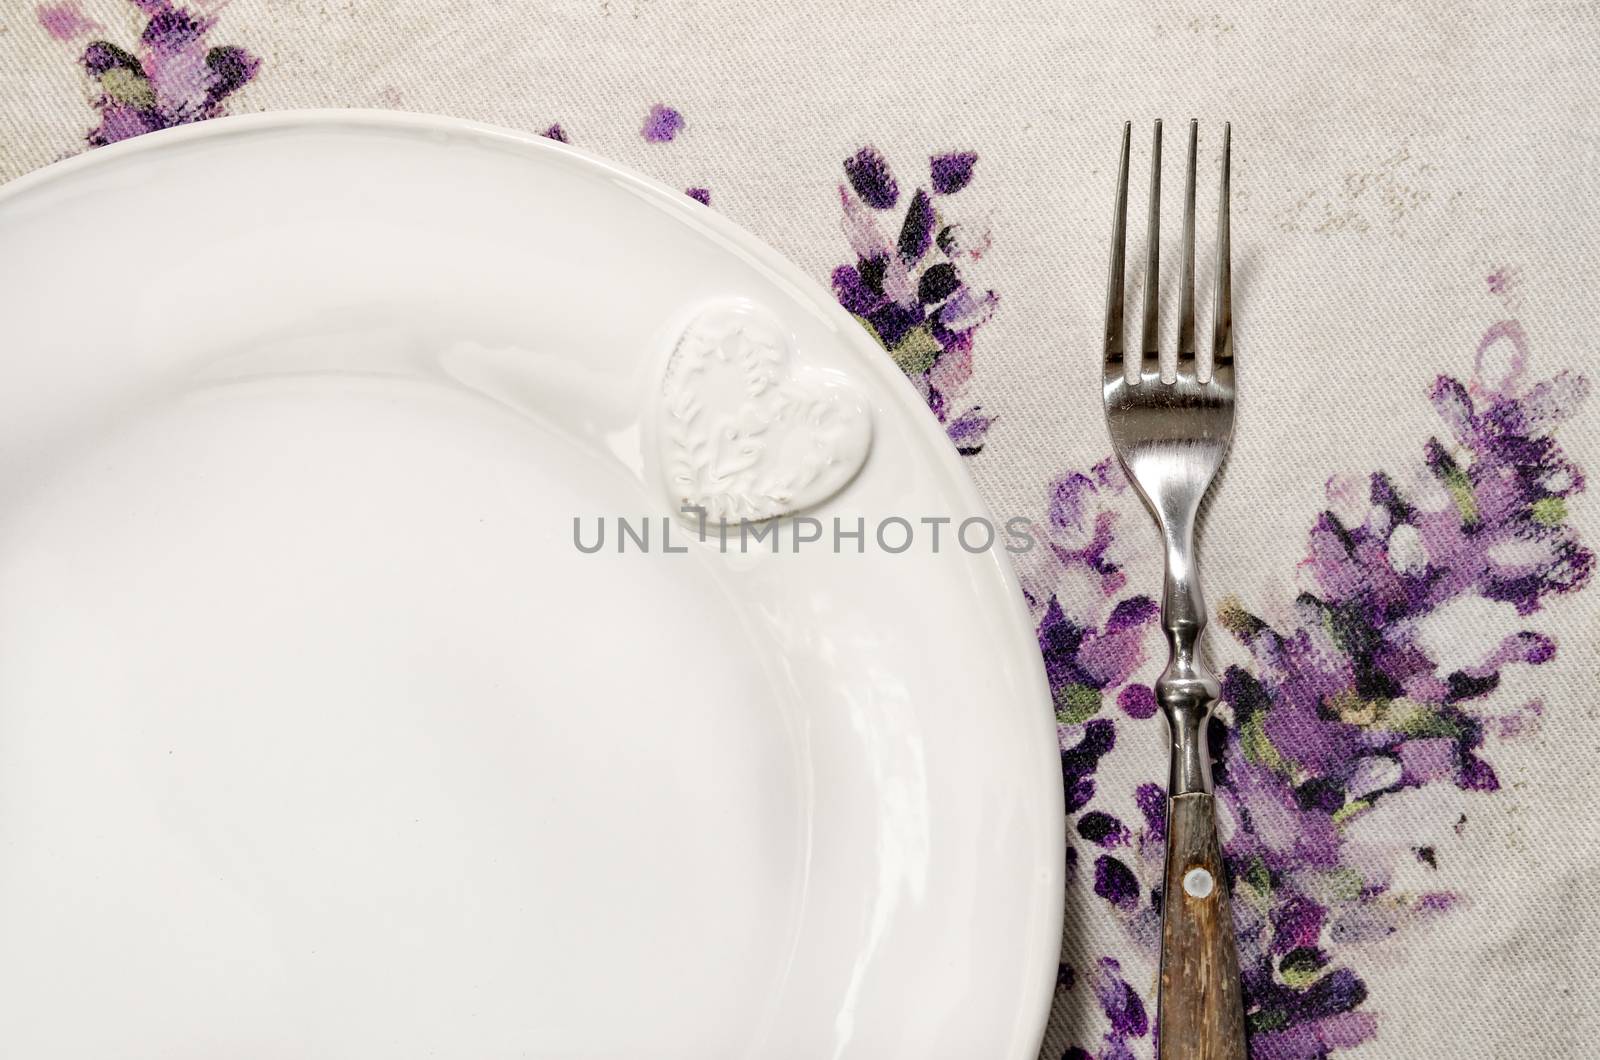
{"x":1410,"y":775}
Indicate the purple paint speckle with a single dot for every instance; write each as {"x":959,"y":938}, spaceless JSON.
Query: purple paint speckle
{"x":916,"y":233}
{"x":1120,"y":1002}
{"x":1152,"y":803}
{"x":869,"y":175}
{"x":1081,"y":759}
{"x":102,"y":56}
{"x":661,"y":124}
{"x":1115,"y":882}
{"x":952,"y":172}
{"x":66,"y":20}
{"x":1132,"y":613}
{"x":1103,"y":830}
{"x":969,"y":430}
{"x":1137,"y":701}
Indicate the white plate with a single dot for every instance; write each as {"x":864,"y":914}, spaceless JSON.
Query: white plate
{"x":319,"y":737}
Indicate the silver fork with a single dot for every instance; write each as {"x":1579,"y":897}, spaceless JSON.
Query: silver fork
{"x":1171,"y":439}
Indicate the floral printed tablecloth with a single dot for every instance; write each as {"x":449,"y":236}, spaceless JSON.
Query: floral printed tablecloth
{"x":1400,"y":558}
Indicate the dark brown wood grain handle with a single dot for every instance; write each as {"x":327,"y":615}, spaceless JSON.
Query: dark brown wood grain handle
{"x":1200,"y":1013}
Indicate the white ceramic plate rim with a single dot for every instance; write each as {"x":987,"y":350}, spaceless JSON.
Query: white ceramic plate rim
{"x":1041,"y":757}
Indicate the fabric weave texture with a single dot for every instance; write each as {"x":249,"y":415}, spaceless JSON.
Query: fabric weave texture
{"x":1399,"y":557}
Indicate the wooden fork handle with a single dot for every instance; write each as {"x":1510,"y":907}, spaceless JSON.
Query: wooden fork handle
{"x":1200,"y":1012}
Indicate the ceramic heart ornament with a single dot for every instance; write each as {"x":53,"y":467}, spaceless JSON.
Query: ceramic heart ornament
{"x":748,"y":432}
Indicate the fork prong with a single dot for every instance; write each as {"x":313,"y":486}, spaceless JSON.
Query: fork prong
{"x":1186,"y":283}
{"x":1222,"y":331}
{"x":1150,"y":334}
{"x":1119,"y":239}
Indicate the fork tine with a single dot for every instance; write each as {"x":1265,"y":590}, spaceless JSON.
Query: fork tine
{"x":1222,"y":333}
{"x":1186,"y":285}
{"x":1150,"y":335}
{"x":1119,"y":238}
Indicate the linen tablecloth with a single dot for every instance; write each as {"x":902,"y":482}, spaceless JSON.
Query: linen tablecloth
{"x":1400,"y":555}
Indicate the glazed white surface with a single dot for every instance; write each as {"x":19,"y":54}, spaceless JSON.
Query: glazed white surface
{"x":319,"y":737}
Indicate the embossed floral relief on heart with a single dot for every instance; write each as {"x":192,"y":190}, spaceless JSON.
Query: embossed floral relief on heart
{"x":745,"y":431}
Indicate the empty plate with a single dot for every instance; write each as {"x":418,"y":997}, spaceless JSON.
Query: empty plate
{"x":332,"y":726}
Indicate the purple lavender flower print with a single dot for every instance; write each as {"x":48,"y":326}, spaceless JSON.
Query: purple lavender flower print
{"x":1347,"y":708}
{"x":172,"y":77}
{"x":908,"y":289}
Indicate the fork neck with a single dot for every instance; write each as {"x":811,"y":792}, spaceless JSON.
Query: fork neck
{"x":1186,"y":690}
